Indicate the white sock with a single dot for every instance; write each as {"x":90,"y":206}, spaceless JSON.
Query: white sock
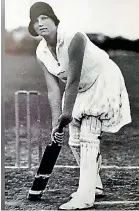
{"x":88,"y":170}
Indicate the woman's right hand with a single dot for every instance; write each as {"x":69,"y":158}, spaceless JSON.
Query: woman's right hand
{"x":65,"y":119}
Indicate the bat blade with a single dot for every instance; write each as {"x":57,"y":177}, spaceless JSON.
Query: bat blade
{"x":44,"y":172}
{"x":45,"y":169}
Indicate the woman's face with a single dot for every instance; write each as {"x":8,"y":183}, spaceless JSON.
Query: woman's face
{"x":44,"y":26}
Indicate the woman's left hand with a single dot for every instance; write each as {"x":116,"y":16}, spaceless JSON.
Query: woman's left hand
{"x":63,"y":120}
{"x":57,"y":137}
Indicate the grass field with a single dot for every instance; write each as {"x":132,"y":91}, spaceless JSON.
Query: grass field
{"x":120,"y":149}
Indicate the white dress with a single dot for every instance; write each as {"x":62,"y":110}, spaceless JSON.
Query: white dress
{"x":102,"y":92}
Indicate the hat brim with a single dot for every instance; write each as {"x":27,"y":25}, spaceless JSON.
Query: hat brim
{"x":31,"y":29}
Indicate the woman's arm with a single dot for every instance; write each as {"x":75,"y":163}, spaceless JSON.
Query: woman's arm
{"x":76,"y":54}
{"x":54,"y":95}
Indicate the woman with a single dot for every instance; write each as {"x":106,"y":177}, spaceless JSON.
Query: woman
{"x":95,"y":98}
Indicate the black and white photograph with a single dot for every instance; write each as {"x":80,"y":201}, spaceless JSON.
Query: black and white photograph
{"x":71,"y":105}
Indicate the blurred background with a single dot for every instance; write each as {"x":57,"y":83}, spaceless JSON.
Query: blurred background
{"x":111,"y":24}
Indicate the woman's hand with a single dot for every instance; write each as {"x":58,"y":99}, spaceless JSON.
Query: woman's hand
{"x":56,"y":136}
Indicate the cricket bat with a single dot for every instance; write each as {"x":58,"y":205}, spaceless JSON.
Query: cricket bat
{"x":45,"y":169}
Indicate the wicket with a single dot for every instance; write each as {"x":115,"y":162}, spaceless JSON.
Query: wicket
{"x":17,"y":121}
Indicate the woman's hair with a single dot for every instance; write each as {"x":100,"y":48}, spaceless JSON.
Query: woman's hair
{"x":37,"y":9}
